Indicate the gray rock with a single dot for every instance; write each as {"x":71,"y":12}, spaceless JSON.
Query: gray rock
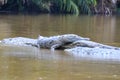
{"x":19,"y":41}
{"x":94,"y":53}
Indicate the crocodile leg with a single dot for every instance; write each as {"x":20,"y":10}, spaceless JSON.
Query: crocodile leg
{"x":55,"y":46}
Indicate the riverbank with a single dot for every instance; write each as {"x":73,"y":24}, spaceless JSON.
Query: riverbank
{"x":76,"y":7}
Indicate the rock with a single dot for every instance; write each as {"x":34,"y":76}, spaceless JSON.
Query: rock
{"x":94,"y":50}
{"x":94,"y":53}
{"x":19,"y":41}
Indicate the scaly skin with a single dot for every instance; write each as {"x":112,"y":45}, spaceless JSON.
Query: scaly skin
{"x":58,"y":41}
{"x":91,"y":44}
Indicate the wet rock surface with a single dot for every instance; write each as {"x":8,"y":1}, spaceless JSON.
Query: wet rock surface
{"x":19,"y":41}
{"x":95,"y":53}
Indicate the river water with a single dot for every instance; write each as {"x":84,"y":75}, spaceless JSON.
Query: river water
{"x":28,"y":63}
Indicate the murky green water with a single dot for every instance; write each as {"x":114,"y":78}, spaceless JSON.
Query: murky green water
{"x":27,"y":63}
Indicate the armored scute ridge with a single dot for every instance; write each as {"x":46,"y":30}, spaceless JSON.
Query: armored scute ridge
{"x":44,"y":42}
{"x":55,"y":42}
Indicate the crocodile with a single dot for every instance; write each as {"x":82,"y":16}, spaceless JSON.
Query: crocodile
{"x":59,"y":41}
{"x":65,"y":41}
{"x":91,"y":44}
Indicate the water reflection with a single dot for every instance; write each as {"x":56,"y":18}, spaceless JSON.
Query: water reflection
{"x":23,"y":63}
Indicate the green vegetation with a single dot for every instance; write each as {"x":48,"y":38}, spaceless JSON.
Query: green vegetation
{"x":58,"y":6}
